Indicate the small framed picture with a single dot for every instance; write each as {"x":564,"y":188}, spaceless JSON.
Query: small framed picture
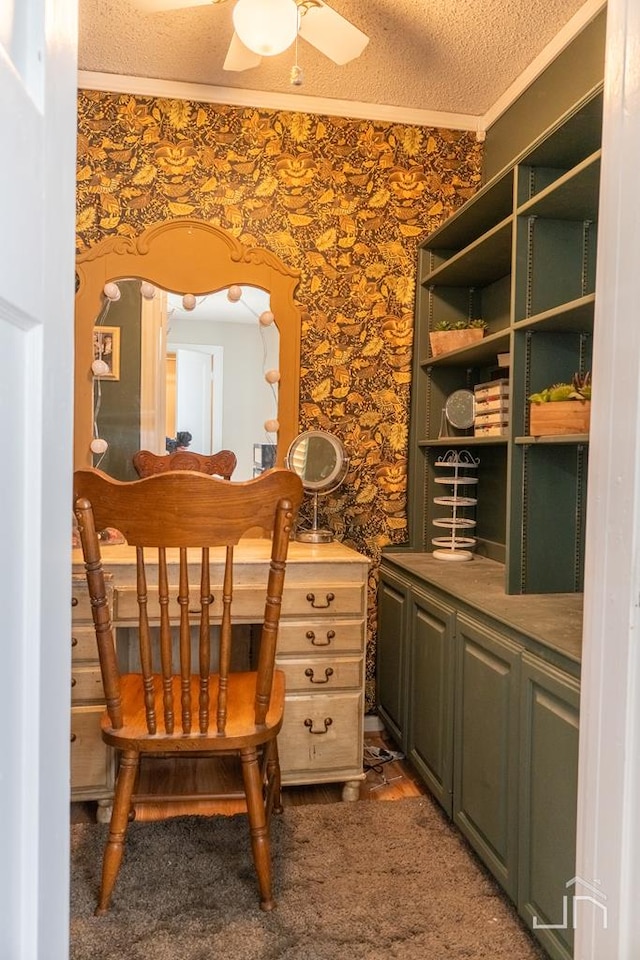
{"x":106,"y":346}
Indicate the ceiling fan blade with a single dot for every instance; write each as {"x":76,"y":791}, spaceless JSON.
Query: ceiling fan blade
{"x":164,"y":6}
{"x":331,"y":34}
{"x":240,"y":57}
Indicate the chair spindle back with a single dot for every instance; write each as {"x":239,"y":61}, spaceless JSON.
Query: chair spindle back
{"x":174,"y":520}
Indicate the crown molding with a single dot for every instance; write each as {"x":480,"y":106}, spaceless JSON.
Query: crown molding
{"x":235,"y":97}
{"x":385,"y":113}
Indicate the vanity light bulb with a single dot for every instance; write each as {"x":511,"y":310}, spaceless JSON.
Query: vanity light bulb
{"x":271,"y":426}
{"x":189,"y":301}
{"x":112,"y":291}
{"x":147,"y":290}
{"x":99,"y":368}
{"x":266,"y":318}
{"x":272,"y":376}
{"x":234,"y":293}
{"x":99,"y":445}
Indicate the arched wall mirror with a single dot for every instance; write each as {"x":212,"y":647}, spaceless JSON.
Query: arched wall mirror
{"x":145,"y":337}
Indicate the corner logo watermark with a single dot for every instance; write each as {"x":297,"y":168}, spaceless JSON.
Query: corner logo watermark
{"x":593,"y":896}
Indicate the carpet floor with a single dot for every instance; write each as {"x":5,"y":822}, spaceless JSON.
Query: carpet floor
{"x":354,"y":881}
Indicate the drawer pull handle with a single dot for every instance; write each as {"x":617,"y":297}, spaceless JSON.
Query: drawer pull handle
{"x":320,"y":643}
{"x":73,"y":738}
{"x":74,"y":641}
{"x":329,"y":597}
{"x":309,"y":724}
{"x":207,"y":600}
{"x":328,"y":673}
{"x":73,"y":681}
{"x":74,"y":601}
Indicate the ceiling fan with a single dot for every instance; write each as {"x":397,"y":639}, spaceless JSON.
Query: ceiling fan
{"x":264,"y":28}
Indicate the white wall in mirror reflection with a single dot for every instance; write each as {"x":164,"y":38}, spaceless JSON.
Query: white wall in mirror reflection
{"x":222,"y":354}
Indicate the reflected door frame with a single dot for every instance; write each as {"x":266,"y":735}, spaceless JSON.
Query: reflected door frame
{"x":213,"y":400}
{"x":153,"y":343}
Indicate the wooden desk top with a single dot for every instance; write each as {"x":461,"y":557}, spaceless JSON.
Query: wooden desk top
{"x":247,"y":551}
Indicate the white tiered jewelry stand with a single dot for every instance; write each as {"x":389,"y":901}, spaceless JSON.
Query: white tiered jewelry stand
{"x":458,"y":545}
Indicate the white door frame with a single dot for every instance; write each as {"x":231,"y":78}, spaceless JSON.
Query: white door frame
{"x":38,"y":77}
{"x":217,"y":383}
{"x":608,"y":841}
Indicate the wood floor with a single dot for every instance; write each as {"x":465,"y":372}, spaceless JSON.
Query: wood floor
{"x":390,"y":780}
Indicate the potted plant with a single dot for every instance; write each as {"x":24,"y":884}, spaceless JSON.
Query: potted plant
{"x":448,"y":335}
{"x":564,"y":408}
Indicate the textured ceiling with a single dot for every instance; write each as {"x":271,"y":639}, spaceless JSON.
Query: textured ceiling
{"x":450,"y":56}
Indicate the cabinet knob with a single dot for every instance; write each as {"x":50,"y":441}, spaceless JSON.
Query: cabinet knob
{"x":74,"y":641}
{"x":327,"y":673}
{"x":73,"y":681}
{"x":310,"y":635}
{"x":74,"y":601}
{"x":329,"y":598}
{"x":309,"y":724}
{"x":73,"y":738}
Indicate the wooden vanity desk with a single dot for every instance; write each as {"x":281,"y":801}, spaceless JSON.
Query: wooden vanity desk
{"x":321,"y":649}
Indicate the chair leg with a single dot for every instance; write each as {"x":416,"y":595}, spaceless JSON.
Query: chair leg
{"x":117,"y":828}
{"x":274,"y":785}
{"x":260,"y":845}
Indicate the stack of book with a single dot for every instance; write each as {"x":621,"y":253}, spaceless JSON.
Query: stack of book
{"x":491,"y":409}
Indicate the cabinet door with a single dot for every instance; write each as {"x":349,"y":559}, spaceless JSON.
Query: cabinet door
{"x":430,"y":684}
{"x":548,"y":799}
{"x":390,"y":654}
{"x":485,"y":792}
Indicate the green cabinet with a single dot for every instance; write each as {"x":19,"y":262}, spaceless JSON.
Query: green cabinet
{"x":429,"y":739}
{"x":393,"y":602}
{"x":414,"y":677}
{"x":488,"y":717}
{"x":549,"y":719}
{"x":485,"y":696}
{"x":486,"y":746}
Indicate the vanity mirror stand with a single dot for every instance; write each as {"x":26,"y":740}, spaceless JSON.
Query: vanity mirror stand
{"x":320,"y":461}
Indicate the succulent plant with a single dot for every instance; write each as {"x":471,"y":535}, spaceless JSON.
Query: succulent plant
{"x":578,"y":389}
{"x":475,"y":323}
{"x":442,"y":325}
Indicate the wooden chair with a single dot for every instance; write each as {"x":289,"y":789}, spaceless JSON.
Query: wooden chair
{"x":220,"y":464}
{"x":184,"y":711}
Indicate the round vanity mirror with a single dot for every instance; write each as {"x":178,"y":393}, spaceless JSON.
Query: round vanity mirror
{"x":460,"y":409}
{"x":319,"y":460}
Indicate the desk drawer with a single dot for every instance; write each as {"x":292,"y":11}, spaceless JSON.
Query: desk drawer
{"x":248,"y":602}
{"x":321,"y":733}
{"x":80,"y":603}
{"x":86,"y":685}
{"x":323,"y":600}
{"x":248,"y":605}
{"x":125,"y":605}
{"x":311,"y":639}
{"x":323,"y":674}
{"x":91,"y":758}
{"x":83,"y":643}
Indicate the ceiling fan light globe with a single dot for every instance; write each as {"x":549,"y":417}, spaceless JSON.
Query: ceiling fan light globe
{"x":267,"y":27}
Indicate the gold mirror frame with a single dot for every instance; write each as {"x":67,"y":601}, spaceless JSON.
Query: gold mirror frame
{"x":185,"y":256}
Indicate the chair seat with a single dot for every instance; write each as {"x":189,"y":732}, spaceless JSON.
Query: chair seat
{"x":241,"y":729}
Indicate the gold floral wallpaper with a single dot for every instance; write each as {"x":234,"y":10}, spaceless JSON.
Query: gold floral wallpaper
{"x":344,"y":201}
